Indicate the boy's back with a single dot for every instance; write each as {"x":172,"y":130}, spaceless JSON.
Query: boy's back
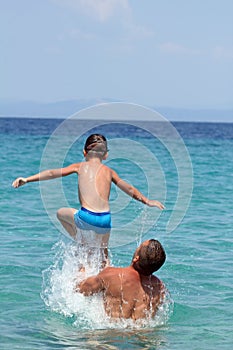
{"x":94,"y":184}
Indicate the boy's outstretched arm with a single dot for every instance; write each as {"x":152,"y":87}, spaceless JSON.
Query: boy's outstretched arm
{"x":133,"y":192}
{"x":46,"y":175}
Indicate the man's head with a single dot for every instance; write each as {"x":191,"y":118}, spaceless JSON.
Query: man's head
{"x":96,"y":145}
{"x":149,"y":257}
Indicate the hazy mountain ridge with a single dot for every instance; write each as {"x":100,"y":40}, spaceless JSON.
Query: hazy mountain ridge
{"x":64,"y":109}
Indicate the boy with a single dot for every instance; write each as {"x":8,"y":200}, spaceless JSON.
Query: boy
{"x":93,"y":220}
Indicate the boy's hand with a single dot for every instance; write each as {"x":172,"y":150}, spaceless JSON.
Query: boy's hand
{"x":153,"y":203}
{"x":20,"y":181}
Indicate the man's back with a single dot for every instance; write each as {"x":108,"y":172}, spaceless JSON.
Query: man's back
{"x":133,"y":291}
{"x":130,"y":295}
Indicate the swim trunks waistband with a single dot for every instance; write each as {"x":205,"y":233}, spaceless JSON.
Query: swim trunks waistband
{"x":94,"y":213}
{"x":88,"y":220}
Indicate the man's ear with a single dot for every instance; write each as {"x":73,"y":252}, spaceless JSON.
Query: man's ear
{"x":84,"y":153}
{"x":105,"y":156}
{"x":136,"y":259}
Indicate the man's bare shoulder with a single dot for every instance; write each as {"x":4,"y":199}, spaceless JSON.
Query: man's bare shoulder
{"x":152,"y":281}
{"x":112,"y":272}
{"x":109,"y":271}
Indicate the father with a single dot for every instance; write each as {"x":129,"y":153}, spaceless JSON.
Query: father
{"x":130,"y":292}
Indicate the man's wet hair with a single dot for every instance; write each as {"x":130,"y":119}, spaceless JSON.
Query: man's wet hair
{"x":96,"y":144}
{"x":151,"y":257}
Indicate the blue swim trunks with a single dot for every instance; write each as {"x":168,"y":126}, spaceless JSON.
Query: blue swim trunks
{"x":89,"y":220}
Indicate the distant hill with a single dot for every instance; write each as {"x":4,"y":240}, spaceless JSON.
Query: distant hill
{"x":60,"y":109}
{"x":64,"y":109}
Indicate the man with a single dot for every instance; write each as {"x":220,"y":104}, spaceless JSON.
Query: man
{"x":130,"y":292}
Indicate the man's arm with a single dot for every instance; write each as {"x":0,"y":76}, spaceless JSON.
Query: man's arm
{"x":133,"y":192}
{"x":91,"y":285}
{"x":46,"y":175}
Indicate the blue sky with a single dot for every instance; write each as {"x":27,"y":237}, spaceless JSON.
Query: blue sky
{"x":176,"y":53}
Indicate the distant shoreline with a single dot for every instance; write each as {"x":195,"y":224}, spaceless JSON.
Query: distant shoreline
{"x":66,"y":109}
{"x":116,"y":120}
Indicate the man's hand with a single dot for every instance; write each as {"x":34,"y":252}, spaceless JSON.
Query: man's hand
{"x":91,"y":285}
{"x":153,"y":203}
{"x":20,"y":181}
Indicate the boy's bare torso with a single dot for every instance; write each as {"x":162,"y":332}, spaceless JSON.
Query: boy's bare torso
{"x":94,"y":184}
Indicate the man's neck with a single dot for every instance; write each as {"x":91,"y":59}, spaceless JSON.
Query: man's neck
{"x":141,"y":272}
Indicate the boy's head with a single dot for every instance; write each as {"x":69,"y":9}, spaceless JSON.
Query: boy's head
{"x":149,"y":257}
{"x":96,"y":146}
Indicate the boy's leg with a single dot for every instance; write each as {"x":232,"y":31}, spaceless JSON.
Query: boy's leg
{"x":66,"y":218}
{"x":104,"y":250}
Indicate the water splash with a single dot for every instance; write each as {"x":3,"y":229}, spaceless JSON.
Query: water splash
{"x":58,"y":292}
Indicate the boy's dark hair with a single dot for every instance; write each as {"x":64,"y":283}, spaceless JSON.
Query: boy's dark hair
{"x":96,"y":143}
{"x":151,"y":257}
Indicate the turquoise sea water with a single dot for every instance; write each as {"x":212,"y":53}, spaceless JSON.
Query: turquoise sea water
{"x":38,"y":264}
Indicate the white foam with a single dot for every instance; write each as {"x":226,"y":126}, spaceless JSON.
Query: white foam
{"x":58,"y":292}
